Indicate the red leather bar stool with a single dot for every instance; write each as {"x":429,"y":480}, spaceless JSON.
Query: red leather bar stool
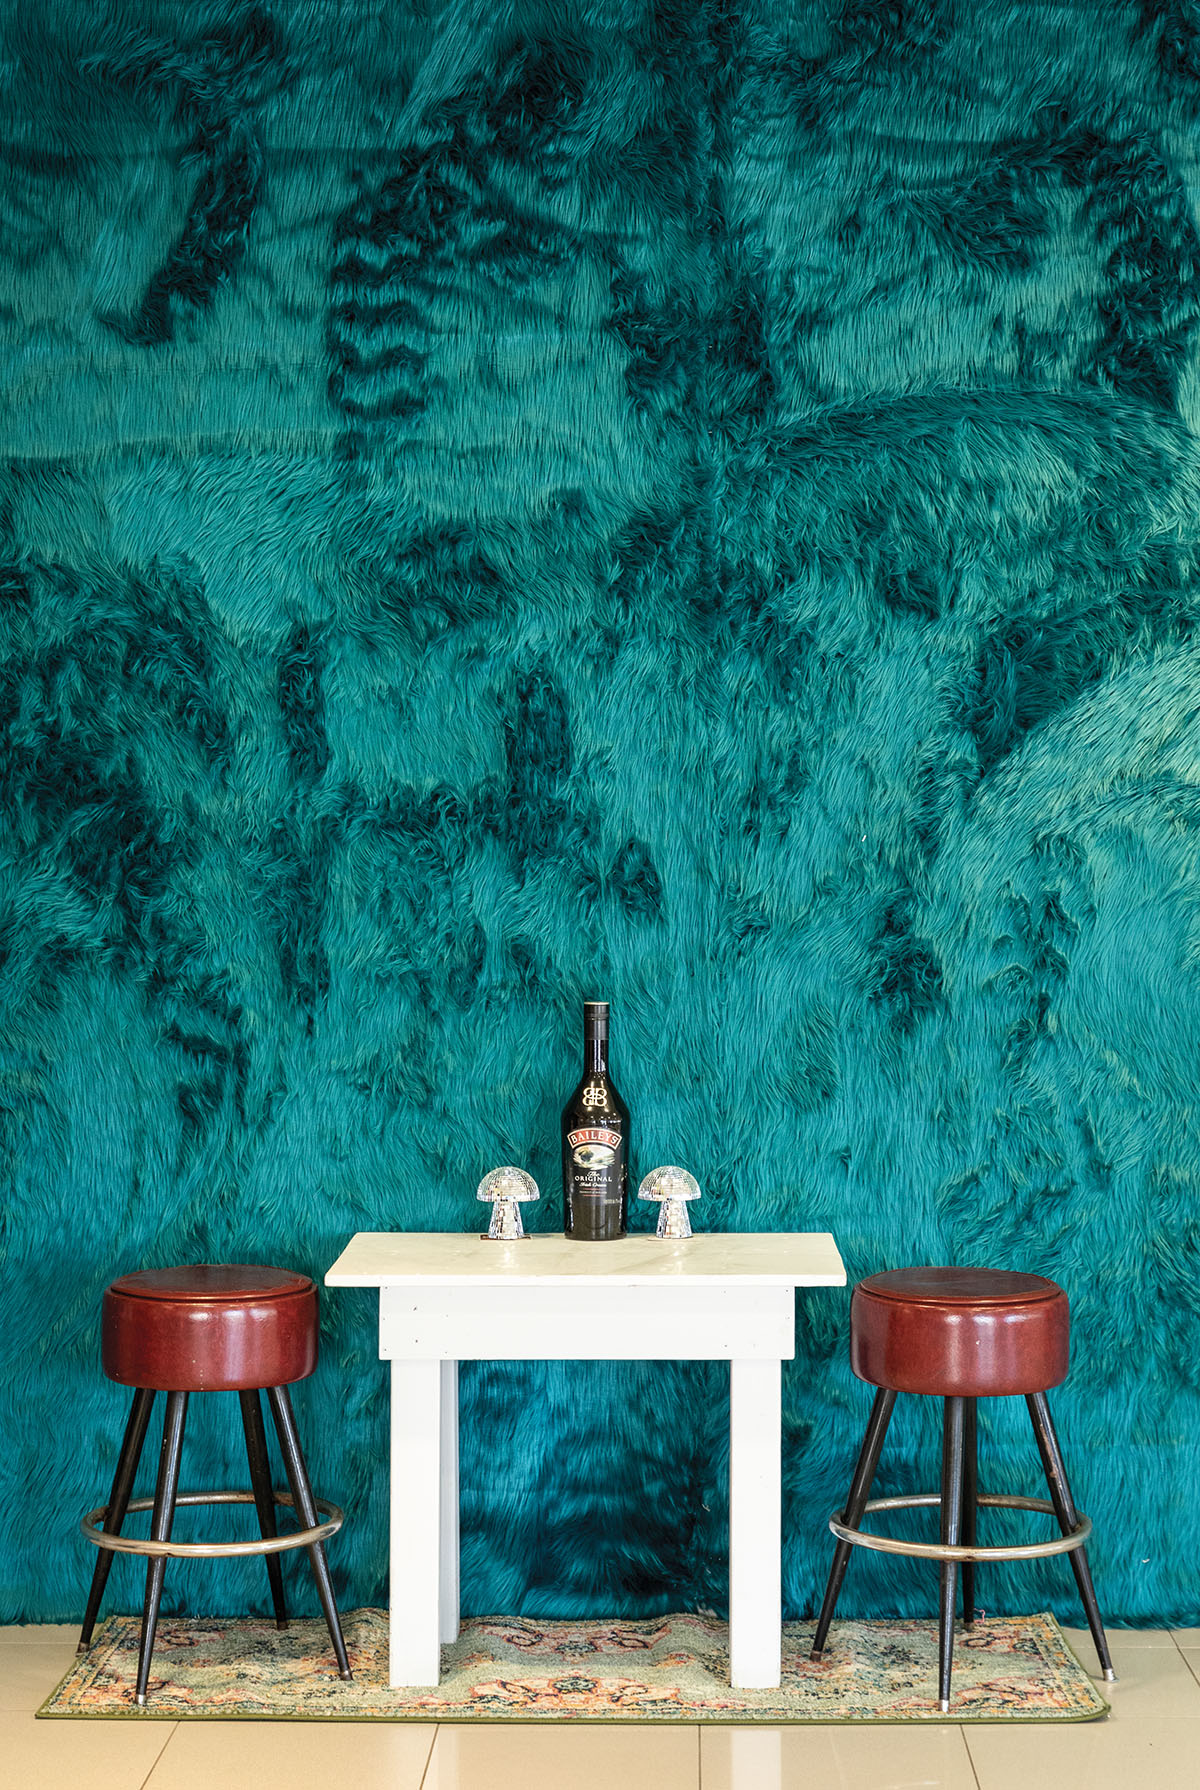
{"x":210,"y":1328}
{"x":960,"y":1334}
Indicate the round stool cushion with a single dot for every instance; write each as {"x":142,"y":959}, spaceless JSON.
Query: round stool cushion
{"x":210,"y":1328}
{"x":959,"y":1332}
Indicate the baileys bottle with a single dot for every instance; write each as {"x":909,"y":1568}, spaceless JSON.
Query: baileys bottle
{"x":595,"y":1142}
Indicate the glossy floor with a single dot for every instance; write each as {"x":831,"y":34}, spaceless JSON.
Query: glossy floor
{"x":1151,"y":1741}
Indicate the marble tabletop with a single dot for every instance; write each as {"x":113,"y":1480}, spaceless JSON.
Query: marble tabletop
{"x":458,"y":1258}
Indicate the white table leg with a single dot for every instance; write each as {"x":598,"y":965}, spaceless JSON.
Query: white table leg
{"x":414,"y":1655}
{"x":448,"y":1577}
{"x":755,"y":1498}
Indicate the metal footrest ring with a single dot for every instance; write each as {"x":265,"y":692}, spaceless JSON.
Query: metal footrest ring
{"x":933,"y":1550}
{"x":275,"y":1544}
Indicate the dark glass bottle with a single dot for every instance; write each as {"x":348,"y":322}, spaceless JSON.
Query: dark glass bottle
{"x":595,"y":1142}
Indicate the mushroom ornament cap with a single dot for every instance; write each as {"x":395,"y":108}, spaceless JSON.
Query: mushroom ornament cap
{"x":669,"y":1184}
{"x":507,"y":1184}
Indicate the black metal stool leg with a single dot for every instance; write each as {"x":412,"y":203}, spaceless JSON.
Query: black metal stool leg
{"x":1068,"y":1519}
{"x":160,"y":1530}
{"x":264,"y":1503}
{"x":952,"y":1489}
{"x":860,"y":1491}
{"x":970,"y":1492}
{"x":289,"y":1442}
{"x":118,"y":1503}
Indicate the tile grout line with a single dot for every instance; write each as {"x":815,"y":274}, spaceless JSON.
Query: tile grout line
{"x":970,"y":1757}
{"x":699,"y":1759}
{"x":437,"y":1728}
{"x":158,"y":1756}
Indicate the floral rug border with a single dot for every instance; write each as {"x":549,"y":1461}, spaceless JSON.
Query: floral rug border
{"x":666,"y":1669}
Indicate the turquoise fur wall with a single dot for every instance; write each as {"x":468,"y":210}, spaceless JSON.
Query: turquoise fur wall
{"x":695,"y":501}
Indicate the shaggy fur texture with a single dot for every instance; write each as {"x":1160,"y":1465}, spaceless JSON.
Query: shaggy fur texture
{"x":690,"y":499}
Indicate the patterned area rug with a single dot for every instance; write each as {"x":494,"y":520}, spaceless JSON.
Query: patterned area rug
{"x":673,"y":1669}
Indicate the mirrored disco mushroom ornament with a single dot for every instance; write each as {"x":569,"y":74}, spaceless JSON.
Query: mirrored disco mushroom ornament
{"x":507,"y":1189}
{"x":672,"y":1188}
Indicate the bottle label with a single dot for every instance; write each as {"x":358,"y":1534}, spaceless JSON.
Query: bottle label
{"x":593,"y":1147}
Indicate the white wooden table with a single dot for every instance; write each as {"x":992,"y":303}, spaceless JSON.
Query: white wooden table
{"x":451,"y":1297}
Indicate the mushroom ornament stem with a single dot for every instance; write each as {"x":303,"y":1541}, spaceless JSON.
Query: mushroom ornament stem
{"x":507,"y":1189}
{"x":673,"y":1188}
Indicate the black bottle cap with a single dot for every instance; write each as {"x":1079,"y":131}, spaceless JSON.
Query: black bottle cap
{"x":595,"y":1017}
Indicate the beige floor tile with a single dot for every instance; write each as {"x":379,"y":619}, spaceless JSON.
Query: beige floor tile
{"x":591,"y":1756}
{"x":835,"y":1758}
{"x":78,"y":1755}
{"x":1151,"y":1681}
{"x":248,"y":1755}
{"x":39,"y":1634}
{"x":1182,"y":1637}
{"x":1191,"y":1656}
{"x":1081,"y":1640}
{"x":1137,"y":1754}
{"x":29,"y":1674}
